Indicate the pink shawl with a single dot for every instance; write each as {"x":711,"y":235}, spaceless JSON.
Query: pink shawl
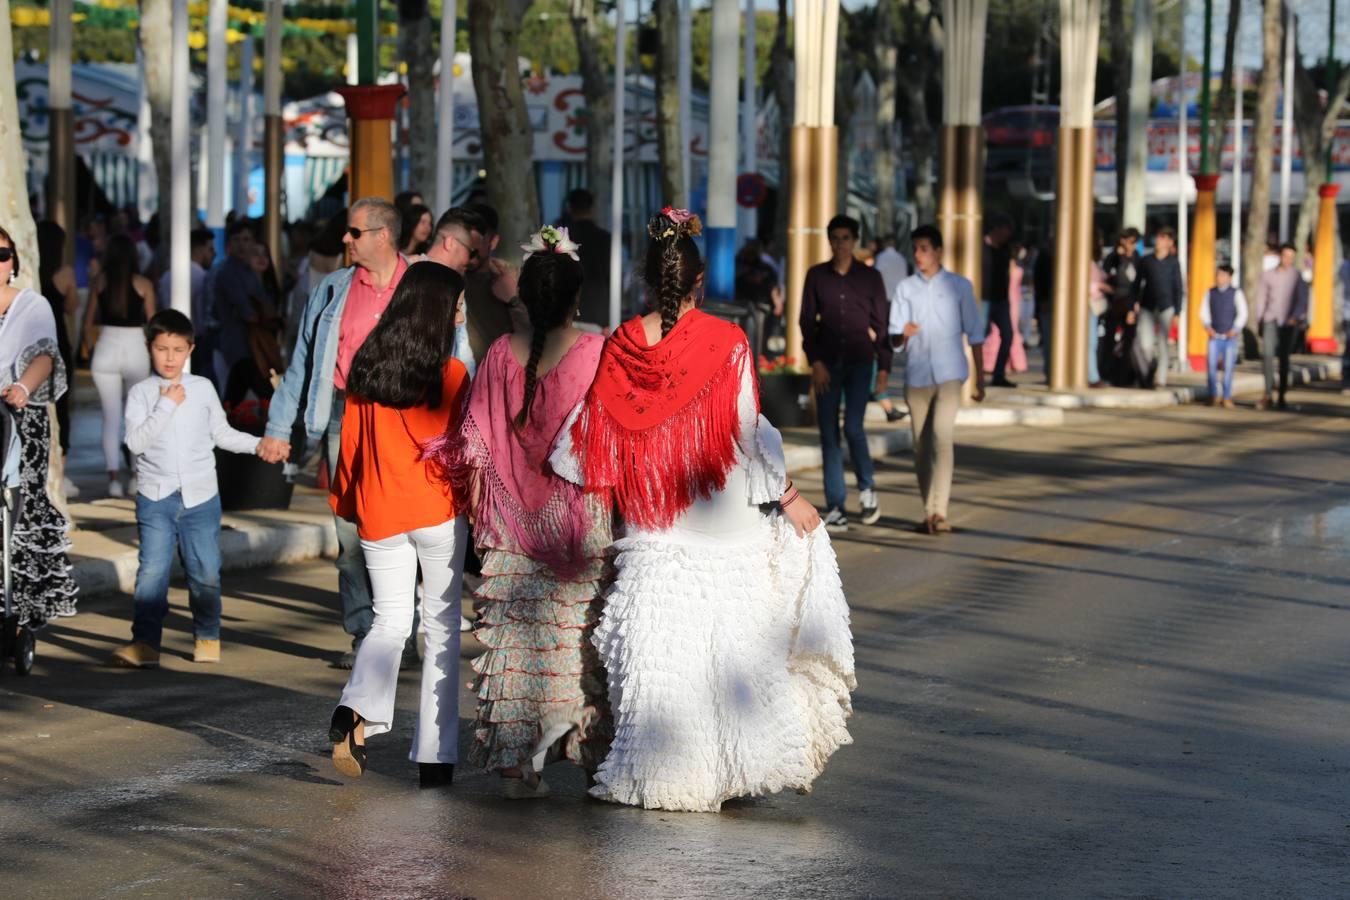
{"x":516,"y":501}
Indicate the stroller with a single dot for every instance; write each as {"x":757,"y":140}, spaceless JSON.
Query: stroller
{"x":17,"y":642}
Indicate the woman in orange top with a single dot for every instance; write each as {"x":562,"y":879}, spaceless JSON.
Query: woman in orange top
{"x":404,"y":389}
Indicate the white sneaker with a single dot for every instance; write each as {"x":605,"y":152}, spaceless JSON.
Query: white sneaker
{"x":871,"y":509}
{"x":115,"y":489}
{"x":465,"y":625}
{"x":71,"y":488}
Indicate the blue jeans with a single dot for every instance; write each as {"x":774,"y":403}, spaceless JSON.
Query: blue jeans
{"x":851,"y":382}
{"x":1226,"y":349}
{"x":358,"y":609}
{"x":195,"y":532}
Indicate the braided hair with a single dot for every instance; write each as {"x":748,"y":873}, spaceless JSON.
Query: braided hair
{"x":673,"y":262}
{"x":549,"y":286}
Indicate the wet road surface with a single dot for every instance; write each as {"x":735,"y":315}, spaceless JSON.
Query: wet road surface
{"x":1126,"y":676}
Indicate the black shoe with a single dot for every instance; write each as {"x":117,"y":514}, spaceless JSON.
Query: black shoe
{"x":348,"y":756}
{"x":895,"y":414}
{"x":434,"y":775}
{"x":835,"y":521}
{"x":1001,"y":382}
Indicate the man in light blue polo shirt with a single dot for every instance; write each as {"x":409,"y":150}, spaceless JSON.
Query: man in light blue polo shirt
{"x":930,"y":313}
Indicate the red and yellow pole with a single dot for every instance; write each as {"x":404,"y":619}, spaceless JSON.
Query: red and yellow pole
{"x":1200,"y":271}
{"x":1321,"y":337}
{"x":370,"y":109}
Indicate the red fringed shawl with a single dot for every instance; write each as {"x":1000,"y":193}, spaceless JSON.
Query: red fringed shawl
{"x":660,"y":423}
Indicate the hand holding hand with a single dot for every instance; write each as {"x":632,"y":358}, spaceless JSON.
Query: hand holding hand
{"x":174,"y":393}
{"x":911,"y":329}
{"x":15,"y":395}
{"x":274,"y":450}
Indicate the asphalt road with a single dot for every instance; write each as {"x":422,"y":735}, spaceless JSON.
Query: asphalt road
{"x":1125,"y":676}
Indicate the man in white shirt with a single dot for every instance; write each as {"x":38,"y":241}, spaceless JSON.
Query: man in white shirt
{"x":931,"y":312}
{"x":174,"y":423}
{"x":892,"y":265}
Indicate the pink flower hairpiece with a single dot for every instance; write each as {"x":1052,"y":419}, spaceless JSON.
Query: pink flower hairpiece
{"x":550,"y":239}
{"x":677,"y":215}
{"x":674,"y":222}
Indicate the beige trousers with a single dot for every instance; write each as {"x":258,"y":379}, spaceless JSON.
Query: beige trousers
{"x":932,"y":417}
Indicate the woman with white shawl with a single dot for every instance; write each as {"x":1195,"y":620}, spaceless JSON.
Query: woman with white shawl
{"x":32,"y":376}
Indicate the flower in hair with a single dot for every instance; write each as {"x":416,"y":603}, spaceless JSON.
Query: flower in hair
{"x":551,"y":240}
{"x":678,"y":216}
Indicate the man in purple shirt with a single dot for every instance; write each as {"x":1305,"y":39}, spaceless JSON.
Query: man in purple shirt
{"x":1281,"y":310}
{"x":844,"y":315}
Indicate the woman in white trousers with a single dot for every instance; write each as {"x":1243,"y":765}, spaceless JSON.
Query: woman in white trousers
{"x":124,"y":300}
{"x":403,"y":387}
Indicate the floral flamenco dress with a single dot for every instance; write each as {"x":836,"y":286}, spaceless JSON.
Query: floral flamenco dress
{"x":725,"y":635}
{"x":544,"y":547}
{"x":43,"y":588}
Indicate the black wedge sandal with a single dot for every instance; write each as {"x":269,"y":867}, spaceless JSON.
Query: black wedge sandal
{"x":349,"y":757}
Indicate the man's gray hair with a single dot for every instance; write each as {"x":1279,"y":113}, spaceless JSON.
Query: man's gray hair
{"x":380,"y":213}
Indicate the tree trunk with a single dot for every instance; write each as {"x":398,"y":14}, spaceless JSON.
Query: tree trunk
{"x":923,"y":150}
{"x":415,"y":47}
{"x":921,"y":53}
{"x":845,"y":82}
{"x":599,"y":104}
{"x":18,"y":219}
{"x":780,"y":78}
{"x":504,"y":126}
{"x":669,"y":141}
{"x":1227,"y":88}
{"x":1258,"y":211}
{"x":156,"y":34}
{"x":1120,"y":65}
{"x":1316,"y":128}
{"x":884,"y":167}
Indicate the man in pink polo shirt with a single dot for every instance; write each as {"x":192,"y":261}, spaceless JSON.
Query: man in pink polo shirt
{"x":340,"y":313}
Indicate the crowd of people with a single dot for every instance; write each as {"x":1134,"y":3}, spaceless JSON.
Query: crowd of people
{"x":616,"y":492}
{"x":611,"y":494}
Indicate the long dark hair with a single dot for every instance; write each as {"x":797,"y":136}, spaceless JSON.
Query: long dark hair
{"x":412,"y":215}
{"x":549,"y":286}
{"x":120,"y":267}
{"x":400,"y":365}
{"x":673,"y":264}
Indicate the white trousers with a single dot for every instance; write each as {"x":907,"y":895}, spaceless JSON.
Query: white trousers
{"x":120,"y":361}
{"x":392,"y":564}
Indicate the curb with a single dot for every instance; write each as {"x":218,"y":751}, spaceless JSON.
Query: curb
{"x":1175,"y":395}
{"x":244,"y":544}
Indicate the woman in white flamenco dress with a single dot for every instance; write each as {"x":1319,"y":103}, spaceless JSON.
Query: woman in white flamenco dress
{"x":726,"y":633}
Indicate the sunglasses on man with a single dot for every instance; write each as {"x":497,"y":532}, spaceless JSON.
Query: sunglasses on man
{"x":6,"y":254}
{"x":473,"y":251}
{"x":357,"y":232}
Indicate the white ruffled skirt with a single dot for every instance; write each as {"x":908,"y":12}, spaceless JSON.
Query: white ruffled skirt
{"x":730,"y":665}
